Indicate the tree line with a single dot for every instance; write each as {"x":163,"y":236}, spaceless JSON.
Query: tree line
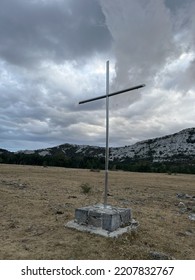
{"x":86,"y":162}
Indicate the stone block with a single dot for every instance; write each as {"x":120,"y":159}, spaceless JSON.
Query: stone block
{"x":81,"y":216}
{"x":111,"y":221}
{"x":108,"y":218}
{"x":95,"y":218}
{"x":125,"y":217}
{"x":103,"y":220}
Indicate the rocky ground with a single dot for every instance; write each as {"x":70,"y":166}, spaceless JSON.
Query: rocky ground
{"x":36,"y":202}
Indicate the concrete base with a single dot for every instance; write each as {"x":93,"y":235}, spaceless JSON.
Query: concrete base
{"x":107,"y":221}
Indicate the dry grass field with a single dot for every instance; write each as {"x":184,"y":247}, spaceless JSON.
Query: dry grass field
{"x":36,"y":202}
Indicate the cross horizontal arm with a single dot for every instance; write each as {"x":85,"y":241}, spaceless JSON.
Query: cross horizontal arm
{"x":111,"y":94}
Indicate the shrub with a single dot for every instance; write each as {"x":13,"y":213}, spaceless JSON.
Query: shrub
{"x":85,"y":188}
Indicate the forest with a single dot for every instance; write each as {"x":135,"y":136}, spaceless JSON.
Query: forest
{"x":176,"y":165}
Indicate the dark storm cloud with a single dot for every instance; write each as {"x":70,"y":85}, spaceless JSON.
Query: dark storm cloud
{"x":32,"y":31}
{"x":174,"y":5}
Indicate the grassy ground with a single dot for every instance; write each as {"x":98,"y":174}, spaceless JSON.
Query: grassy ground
{"x":36,"y":202}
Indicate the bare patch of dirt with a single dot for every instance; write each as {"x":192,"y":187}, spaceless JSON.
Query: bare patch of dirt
{"x":36,"y":202}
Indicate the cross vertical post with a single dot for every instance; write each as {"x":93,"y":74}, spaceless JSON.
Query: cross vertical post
{"x":107,"y":96}
{"x":107,"y":135}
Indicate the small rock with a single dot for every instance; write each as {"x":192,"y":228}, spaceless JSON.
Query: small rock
{"x":134,"y":223}
{"x":181,"y":205}
{"x":189,"y":232}
{"x":192,"y":217}
{"x":180,"y":195}
{"x":21,"y":186}
{"x":184,"y":196}
{"x":159,"y":256}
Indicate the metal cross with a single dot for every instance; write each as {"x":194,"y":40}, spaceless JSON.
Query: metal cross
{"x":107,"y":123}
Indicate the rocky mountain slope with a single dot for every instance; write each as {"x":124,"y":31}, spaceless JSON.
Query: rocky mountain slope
{"x":178,"y":146}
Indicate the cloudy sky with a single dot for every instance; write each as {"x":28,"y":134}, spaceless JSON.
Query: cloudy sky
{"x":53,"y":54}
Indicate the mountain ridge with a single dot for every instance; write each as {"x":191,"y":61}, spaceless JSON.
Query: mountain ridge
{"x":159,"y":148}
{"x":175,"y":152}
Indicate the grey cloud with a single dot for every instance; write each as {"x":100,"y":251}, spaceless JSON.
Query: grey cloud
{"x":51,"y":30}
{"x":182,"y":78}
{"x":175,"y":5}
{"x":28,"y":113}
{"x":143,"y":42}
{"x":146,"y":43}
{"x":59,"y":43}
